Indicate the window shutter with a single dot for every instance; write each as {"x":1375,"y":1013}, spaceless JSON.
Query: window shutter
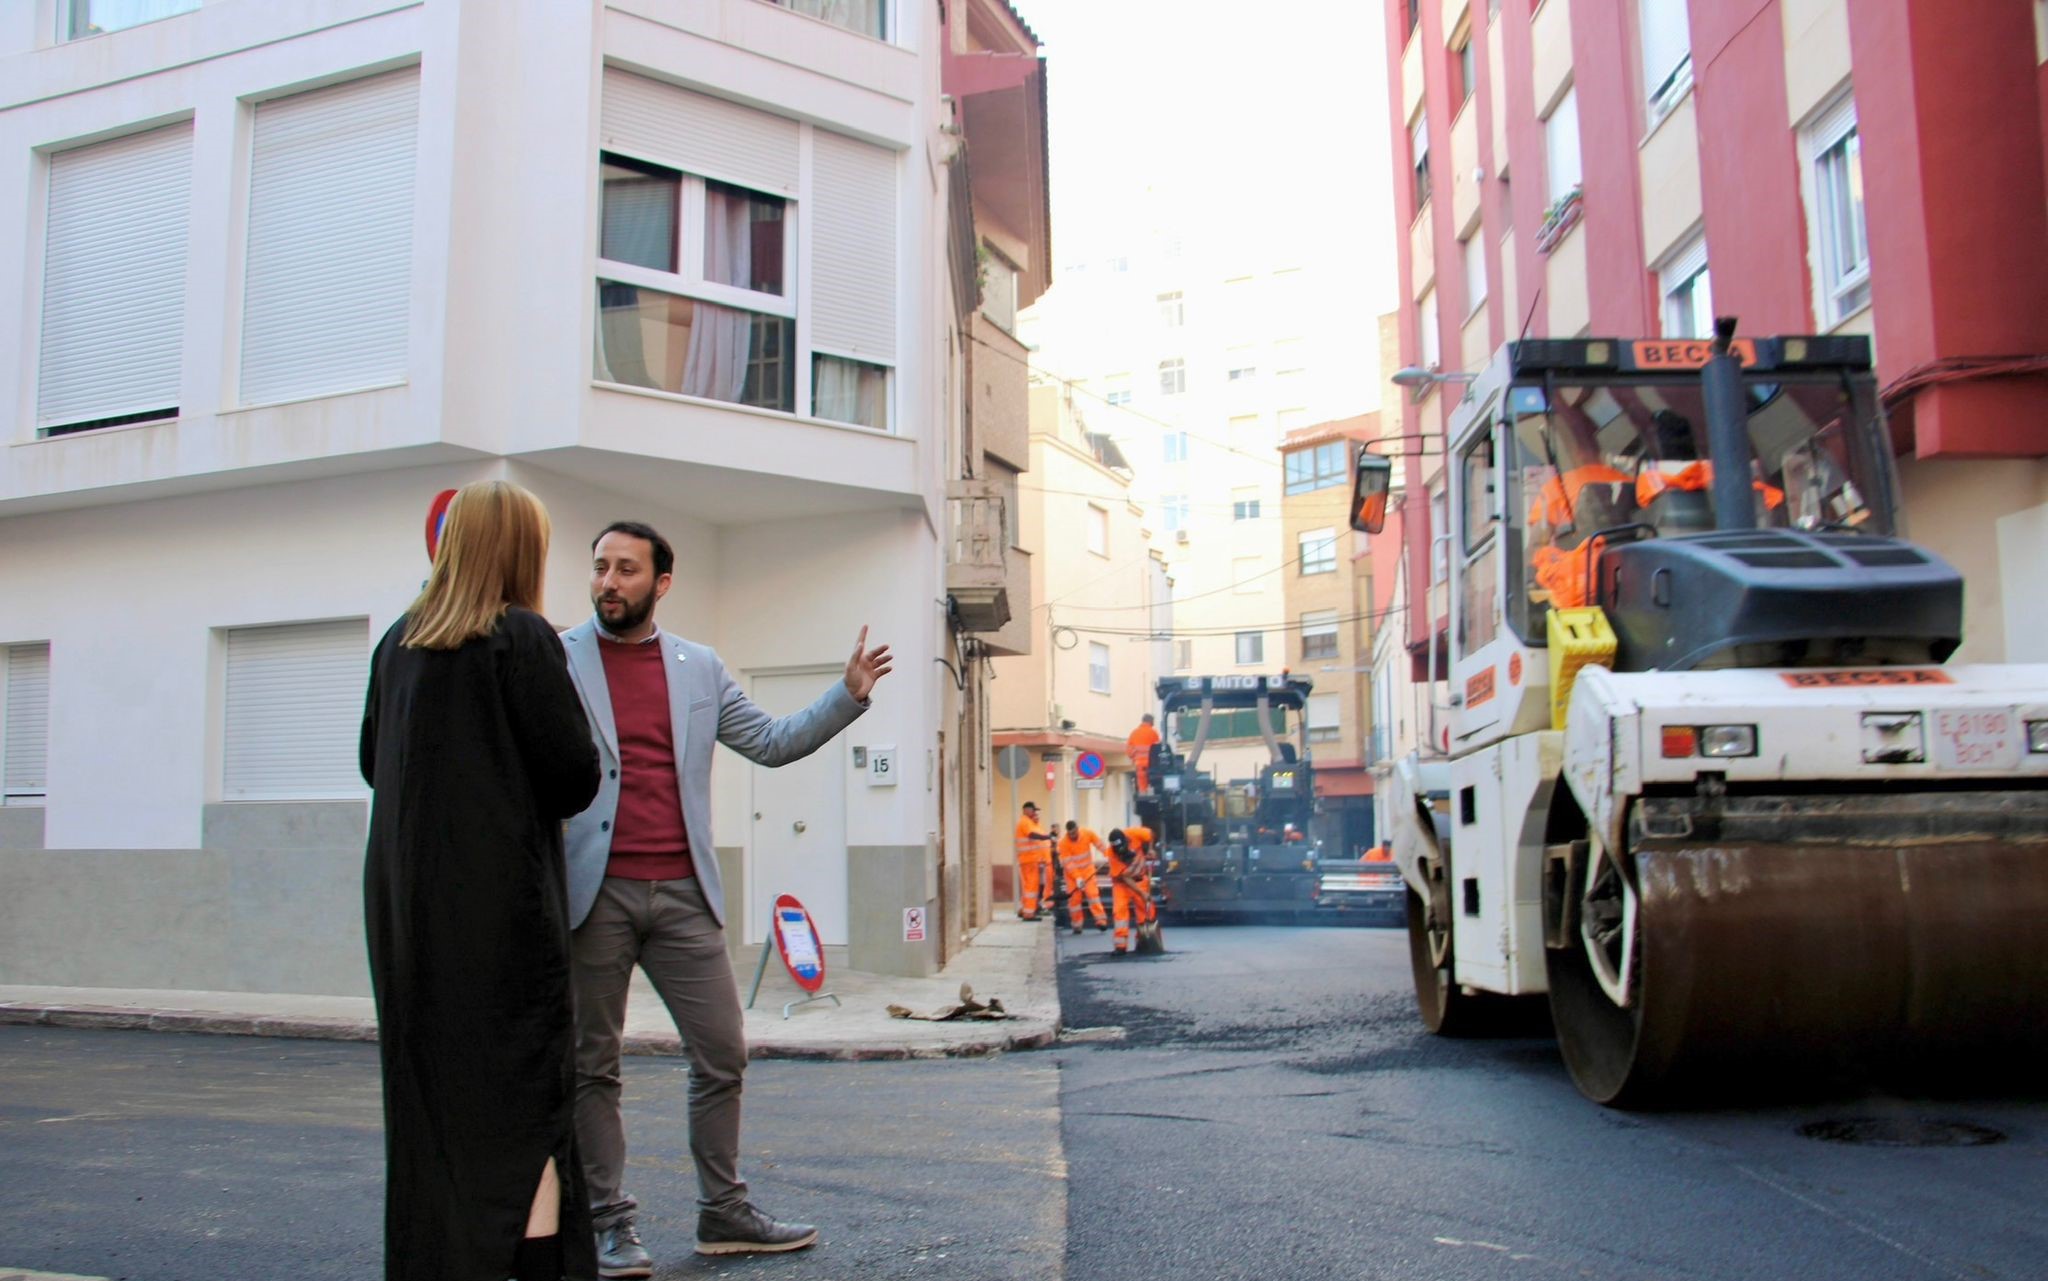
{"x":328,"y":293}
{"x":710,"y":137}
{"x":26,"y":720}
{"x":114,"y":277}
{"x":853,"y":239}
{"x":294,"y":711}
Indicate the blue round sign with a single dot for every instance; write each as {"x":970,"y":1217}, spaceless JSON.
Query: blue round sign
{"x":1089,"y":766}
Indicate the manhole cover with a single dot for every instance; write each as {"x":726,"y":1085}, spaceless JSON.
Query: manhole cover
{"x":1902,"y":1132}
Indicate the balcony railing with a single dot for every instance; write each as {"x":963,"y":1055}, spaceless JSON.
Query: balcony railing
{"x":977,"y":579}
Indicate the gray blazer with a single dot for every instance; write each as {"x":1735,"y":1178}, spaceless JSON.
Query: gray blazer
{"x":707,"y":707}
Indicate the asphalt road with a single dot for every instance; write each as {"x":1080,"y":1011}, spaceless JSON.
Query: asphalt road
{"x":1276,"y":1111}
{"x":152,"y":1155}
{"x":1273,"y":1111}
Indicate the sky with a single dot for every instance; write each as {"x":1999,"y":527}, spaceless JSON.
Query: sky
{"x":1246,"y":120}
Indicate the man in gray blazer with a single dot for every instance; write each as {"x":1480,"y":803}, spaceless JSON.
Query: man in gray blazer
{"x":644,"y":887}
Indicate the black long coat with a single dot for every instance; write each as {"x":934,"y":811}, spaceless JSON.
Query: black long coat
{"x":475,"y":756}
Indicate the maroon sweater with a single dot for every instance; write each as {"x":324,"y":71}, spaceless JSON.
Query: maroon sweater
{"x":649,"y":842}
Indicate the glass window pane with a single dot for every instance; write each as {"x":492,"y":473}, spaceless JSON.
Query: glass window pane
{"x":850,"y":391}
{"x":742,"y":238}
{"x":864,"y":16}
{"x":96,"y":17}
{"x":650,"y":339}
{"x":639,"y":217}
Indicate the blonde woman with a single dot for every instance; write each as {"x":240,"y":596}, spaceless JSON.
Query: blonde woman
{"x":476,"y":748}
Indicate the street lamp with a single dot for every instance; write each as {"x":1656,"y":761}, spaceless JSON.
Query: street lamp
{"x":1416,"y":379}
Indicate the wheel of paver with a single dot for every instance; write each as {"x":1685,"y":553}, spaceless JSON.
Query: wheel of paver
{"x":1446,"y":1009}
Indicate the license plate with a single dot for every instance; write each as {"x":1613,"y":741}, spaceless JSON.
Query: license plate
{"x":1976,"y":740}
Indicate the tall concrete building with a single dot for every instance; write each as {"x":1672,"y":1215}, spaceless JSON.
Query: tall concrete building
{"x":288,"y":270}
{"x":1635,"y":167}
{"x":1196,"y":356}
{"x":1079,"y":692}
{"x":1330,"y":621}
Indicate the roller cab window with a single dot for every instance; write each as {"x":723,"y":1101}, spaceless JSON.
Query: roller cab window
{"x":1595,"y":456}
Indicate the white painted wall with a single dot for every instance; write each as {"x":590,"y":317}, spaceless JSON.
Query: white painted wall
{"x":126,"y":548}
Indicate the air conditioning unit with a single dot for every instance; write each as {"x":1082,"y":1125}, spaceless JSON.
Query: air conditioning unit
{"x":1180,"y":536}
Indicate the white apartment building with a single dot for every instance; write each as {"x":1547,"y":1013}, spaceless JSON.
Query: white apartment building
{"x":1197,"y":358}
{"x":284,"y":269}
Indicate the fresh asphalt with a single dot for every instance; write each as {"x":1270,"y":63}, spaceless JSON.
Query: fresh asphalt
{"x":1273,"y":1110}
{"x":213,"y":1158}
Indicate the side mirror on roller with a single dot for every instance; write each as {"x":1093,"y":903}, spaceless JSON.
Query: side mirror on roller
{"x":1369,"y":489}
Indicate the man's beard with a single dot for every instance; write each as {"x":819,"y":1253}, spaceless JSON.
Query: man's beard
{"x":632,"y":613}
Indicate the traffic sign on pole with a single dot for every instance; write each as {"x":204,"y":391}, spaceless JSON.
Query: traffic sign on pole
{"x":1089,"y":765}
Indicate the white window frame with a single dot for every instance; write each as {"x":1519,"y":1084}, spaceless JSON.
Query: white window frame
{"x":1098,"y":530}
{"x":1257,"y":644}
{"x":1173,"y":512}
{"x":1837,"y":294}
{"x":1666,"y":79}
{"x":1685,"y":271}
{"x":1246,"y":504}
{"x":999,"y":289}
{"x":1117,"y":390}
{"x":1317,"y":550}
{"x":71,"y":12}
{"x":1173,"y":309}
{"x":1473,"y":250}
{"x":1418,"y":158}
{"x":689,"y":281}
{"x":1331,"y":726}
{"x":888,"y":7}
{"x":1098,"y":667}
{"x":1174,"y":446}
{"x":1429,"y":325}
{"x":1563,"y":164}
{"x":1439,"y":525}
{"x":1183,"y":655}
{"x":1320,"y":623}
{"x":1173,"y":376}
{"x":15,"y":662}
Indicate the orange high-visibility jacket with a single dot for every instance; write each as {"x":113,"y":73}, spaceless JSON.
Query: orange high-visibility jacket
{"x":1077,"y":852}
{"x":1139,"y":744}
{"x":1033,"y":841}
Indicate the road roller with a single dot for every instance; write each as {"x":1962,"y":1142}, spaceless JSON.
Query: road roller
{"x":1698,"y":773}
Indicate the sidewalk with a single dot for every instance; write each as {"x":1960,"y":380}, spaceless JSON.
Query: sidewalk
{"x":1008,"y":960}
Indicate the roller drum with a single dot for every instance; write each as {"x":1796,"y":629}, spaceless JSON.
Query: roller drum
{"x":1772,"y":940}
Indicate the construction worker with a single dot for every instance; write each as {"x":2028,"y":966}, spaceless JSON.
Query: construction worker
{"x":1130,"y":874}
{"x":1034,"y":862}
{"x":1078,"y":849}
{"x":1140,"y":744}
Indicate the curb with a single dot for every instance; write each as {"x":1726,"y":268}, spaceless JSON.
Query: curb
{"x":1031,"y":1034}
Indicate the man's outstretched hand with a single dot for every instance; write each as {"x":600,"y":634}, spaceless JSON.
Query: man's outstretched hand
{"x":865,"y":667}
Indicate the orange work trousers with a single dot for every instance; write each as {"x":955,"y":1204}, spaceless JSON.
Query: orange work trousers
{"x":1124,"y":904}
{"x":1035,"y":873}
{"x":1080,"y":881}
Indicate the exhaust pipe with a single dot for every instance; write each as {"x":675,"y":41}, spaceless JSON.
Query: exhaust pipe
{"x":1728,"y":432}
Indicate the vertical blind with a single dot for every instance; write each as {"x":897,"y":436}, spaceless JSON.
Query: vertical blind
{"x":25,"y":720}
{"x":294,"y":708}
{"x":853,"y":272}
{"x":114,"y":277}
{"x":328,"y":289}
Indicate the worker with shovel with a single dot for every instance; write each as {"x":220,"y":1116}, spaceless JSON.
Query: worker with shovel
{"x":1130,"y":873}
{"x":1077,"y":860}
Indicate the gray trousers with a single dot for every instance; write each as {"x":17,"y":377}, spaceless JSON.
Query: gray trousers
{"x":665,"y":928}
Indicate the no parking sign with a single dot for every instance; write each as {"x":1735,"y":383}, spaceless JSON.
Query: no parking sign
{"x":796,"y":937}
{"x":437,"y":520}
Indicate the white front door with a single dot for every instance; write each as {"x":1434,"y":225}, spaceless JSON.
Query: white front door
{"x":798,"y":842}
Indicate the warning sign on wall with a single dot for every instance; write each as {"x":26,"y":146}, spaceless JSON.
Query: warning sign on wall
{"x":913,"y":925}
